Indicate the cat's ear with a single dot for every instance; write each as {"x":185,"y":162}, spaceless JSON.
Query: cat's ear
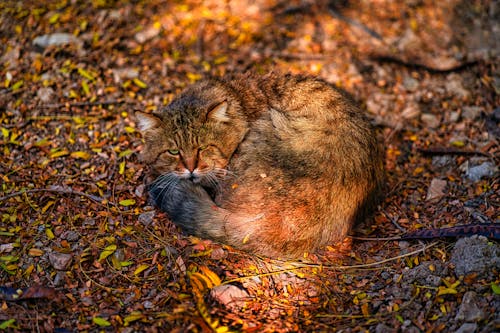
{"x":146,"y":121}
{"x":219,"y":112}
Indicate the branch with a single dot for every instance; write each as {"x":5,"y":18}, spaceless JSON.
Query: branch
{"x":56,"y":189}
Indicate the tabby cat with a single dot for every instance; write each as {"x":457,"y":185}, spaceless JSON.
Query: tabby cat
{"x":276,"y":165}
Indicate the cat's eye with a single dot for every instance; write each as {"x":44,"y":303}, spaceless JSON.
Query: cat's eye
{"x":173,"y":151}
{"x":203,"y":147}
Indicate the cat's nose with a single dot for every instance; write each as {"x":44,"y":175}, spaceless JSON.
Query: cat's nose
{"x":190,"y":163}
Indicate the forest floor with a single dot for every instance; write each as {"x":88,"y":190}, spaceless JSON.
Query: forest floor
{"x":82,"y":250}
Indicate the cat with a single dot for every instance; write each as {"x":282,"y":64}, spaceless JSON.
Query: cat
{"x":276,"y":165}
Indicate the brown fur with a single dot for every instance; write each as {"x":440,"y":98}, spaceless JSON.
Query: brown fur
{"x":302,"y":162}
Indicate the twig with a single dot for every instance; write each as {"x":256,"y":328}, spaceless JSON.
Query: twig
{"x":354,"y":23}
{"x":423,"y":249}
{"x":67,"y":104}
{"x":450,"y":151}
{"x":309,"y":265}
{"x":58,"y":189}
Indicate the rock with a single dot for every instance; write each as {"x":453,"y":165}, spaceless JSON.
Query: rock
{"x":475,"y":255}
{"x":454,"y":86}
{"x":443,"y":161}
{"x":471,"y":112}
{"x":412,"y":110}
{"x":139,"y":190}
{"x":70,"y":235}
{"x":467,"y":328}
{"x":231,"y":296}
{"x":436,"y":190}
{"x":59,"y":279}
{"x":483,"y":170}
{"x":427,"y":273}
{"x":410,"y":83}
{"x":430,"y":120}
{"x":146,"y":218}
{"x":60,"y":261}
{"x":382,"y":328}
{"x":145,"y":35}
{"x":58,"y":38}
{"x":469,"y":310}
{"x":124,"y":73}
{"x":11,"y":57}
{"x":454,"y":116}
{"x":45,"y":94}
{"x":148,"y":304}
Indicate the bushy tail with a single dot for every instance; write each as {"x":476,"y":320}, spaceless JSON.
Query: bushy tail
{"x":189,"y":206}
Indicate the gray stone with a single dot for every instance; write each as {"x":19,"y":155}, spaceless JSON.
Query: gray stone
{"x":146,"y":218}
{"x":469,"y":310}
{"x":467,"y":328}
{"x":475,"y":255}
{"x":70,"y":235}
{"x":483,"y":170}
{"x":423,"y":274}
{"x":443,"y":161}
{"x":382,"y":328}
{"x":412,"y":110}
{"x":454,"y":86}
{"x":45,"y":94}
{"x":471,"y":112}
{"x":58,"y":38}
{"x":430,"y":120}
{"x":410,"y":83}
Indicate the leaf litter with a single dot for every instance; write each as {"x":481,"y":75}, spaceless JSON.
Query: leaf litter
{"x":74,"y":240}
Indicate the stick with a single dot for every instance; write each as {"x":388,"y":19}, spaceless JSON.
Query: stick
{"x":67,"y":104}
{"x":450,"y":151}
{"x":58,"y":189}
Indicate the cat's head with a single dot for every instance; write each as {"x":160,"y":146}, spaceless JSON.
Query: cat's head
{"x":195,"y":136}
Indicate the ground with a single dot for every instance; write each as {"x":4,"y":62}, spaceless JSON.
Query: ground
{"x":82,"y":250}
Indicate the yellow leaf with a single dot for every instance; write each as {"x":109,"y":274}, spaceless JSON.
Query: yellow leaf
{"x":458,"y":143}
{"x":54,"y":18}
{"x":58,"y":153}
{"x":108,"y":250}
{"x":86,"y":74}
{"x":211,"y":275}
{"x":80,"y":154}
{"x":140,"y":269}
{"x":5,"y":132}
{"x":134,"y":316}
{"x":193,"y":77}
{"x":121,"y":167}
{"x":127,"y":202}
{"x":101,"y":322}
{"x":446,"y":291}
{"x":140,"y":83}
{"x":85,"y":88}
{"x":73,"y":94}
{"x":47,"y":206}
{"x":49,"y":233}
{"x":125,"y":153}
{"x":17,"y":85}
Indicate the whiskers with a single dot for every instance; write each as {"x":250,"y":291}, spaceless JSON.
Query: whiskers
{"x":162,"y":186}
{"x":214,"y":177}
